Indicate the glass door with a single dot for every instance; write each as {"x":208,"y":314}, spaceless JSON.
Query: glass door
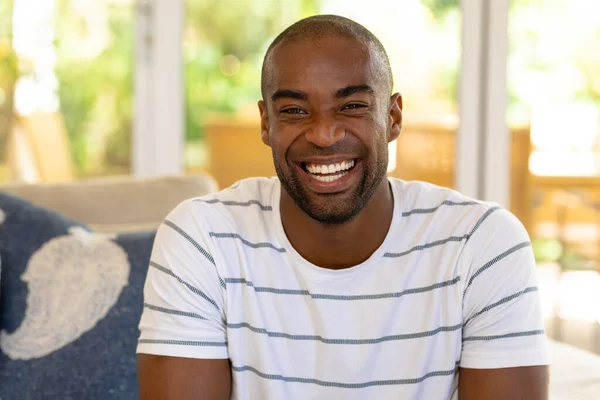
{"x":554,"y":102}
{"x":66,"y":88}
{"x":224,"y":42}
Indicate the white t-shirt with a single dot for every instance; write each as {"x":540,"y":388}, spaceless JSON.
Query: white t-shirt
{"x":453,"y":284}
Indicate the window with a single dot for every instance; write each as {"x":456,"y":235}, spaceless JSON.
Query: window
{"x":554,"y":87}
{"x":224,"y":46}
{"x":65,"y":88}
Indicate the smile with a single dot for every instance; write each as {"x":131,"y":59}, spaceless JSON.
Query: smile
{"x":329,"y":172}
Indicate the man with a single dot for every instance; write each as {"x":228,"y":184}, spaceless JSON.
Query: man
{"x":333,"y":281}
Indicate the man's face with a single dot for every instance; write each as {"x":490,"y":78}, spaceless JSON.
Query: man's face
{"x":326,"y":117}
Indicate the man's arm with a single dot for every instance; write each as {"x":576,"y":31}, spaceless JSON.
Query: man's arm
{"x":504,"y":350}
{"x":182,"y":349}
{"x":175,"y":378}
{"x":530,"y":383}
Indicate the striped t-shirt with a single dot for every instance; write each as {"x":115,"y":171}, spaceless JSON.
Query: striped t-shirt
{"x":452,"y":285}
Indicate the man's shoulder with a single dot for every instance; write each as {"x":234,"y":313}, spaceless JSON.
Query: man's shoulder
{"x":448,"y":206}
{"x":234,"y":205}
{"x":246,"y":192}
{"x":420,"y":195}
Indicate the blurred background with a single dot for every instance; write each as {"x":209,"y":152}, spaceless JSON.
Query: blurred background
{"x":76,"y":77}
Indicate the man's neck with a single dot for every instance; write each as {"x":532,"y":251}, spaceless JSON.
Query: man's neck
{"x":344,"y":245}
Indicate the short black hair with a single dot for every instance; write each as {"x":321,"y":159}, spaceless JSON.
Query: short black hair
{"x":323,"y":26}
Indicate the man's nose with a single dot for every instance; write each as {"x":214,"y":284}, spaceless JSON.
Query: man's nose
{"x":325,"y":131}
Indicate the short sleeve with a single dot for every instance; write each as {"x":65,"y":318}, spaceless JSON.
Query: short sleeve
{"x":184,"y":294}
{"x":502,"y":314}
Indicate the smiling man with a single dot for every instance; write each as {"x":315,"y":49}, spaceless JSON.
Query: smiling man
{"x":333,"y":281}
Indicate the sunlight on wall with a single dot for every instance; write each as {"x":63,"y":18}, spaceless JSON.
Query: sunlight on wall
{"x":563,"y":136}
{"x":33,"y":42}
{"x":575,"y":295}
{"x":578,"y":296}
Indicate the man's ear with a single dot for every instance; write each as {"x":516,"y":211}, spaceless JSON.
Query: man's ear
{"x":395,"y":117}
{"x":264,"y":123}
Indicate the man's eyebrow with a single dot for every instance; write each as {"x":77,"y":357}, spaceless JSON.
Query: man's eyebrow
{"x":350,"y":90}
{"x":289,"y":93}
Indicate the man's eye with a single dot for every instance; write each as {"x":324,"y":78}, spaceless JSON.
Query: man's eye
{"x":294,"y":110}
{"x":353,"y":106}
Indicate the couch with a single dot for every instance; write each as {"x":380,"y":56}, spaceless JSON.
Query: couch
{"x":120,"y":204}
{"x":99,"y":361}
{"x":73,"y":261}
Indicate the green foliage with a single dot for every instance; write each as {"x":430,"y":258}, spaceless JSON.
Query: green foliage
{"x":546,"y":250}
{"x":550,"y":65}
{"x":573,"y":261}
{"x":96,"y":93}
{"x":8,"y":73}
{"x":242,"y":29}
{"x":552,"y":251}
{"x":440,"y":7}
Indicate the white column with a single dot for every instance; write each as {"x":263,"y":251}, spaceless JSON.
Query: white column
{"x":497,"y":151}
{"x":469,"y":100}
{"x":158,"y":134}
{"x":483,"y":142}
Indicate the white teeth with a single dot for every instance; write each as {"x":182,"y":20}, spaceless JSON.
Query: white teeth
{"x":329,"y":169}
{"x":330,"y":178}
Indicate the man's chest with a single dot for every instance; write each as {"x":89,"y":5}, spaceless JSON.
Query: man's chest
{"x":389,"y":320}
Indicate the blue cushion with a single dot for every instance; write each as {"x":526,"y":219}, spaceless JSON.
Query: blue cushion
{"x":70,"y":304}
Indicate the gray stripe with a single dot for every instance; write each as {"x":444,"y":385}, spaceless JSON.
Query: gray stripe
{"x":174,"y":312}
{"x":427,"y":246}
{"x":406,"y":336}
{"x":506,"y":336}
{"x":191,"y":240}
{"x":494,"y":261}
{"x":502,"y":301}
{"x":444,"y":241}
{"x":187,"y":285}
{"x":483,"y":218}
{"x":320,"y":296}
{"x":196,"y":245}
{"x":361,"y":385}
{"x":267,"y":289}
{"x":247,"y":243}
{"x":237,"y":203}
{"x":184,"y":343}
{"x":434,"y":209}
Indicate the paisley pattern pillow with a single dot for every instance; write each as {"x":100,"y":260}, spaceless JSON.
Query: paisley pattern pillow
{"x":70,"y":302}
